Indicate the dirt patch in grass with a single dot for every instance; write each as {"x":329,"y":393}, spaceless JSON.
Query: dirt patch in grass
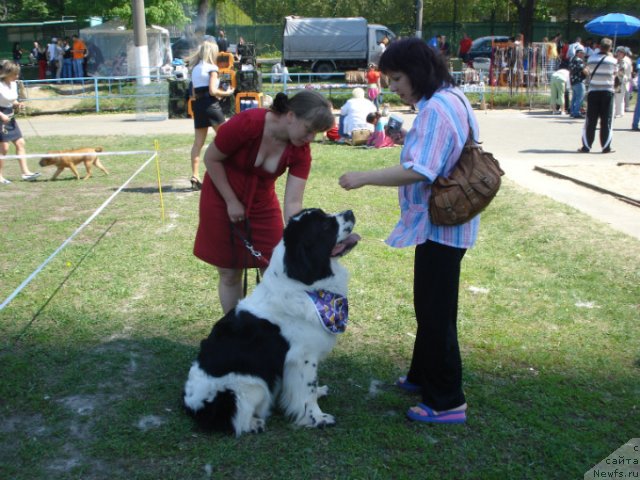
{"x":42,"y":99}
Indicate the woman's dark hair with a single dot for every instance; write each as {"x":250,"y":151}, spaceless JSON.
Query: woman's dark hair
{"x":306,"y":105}
{"x":425,"y":66}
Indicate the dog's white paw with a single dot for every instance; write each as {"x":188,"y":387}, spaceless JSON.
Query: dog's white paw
{"x":257,"y":425}
{"x":317,"y":420}
{"x":325,"y":420}
{"x":322,"y":391}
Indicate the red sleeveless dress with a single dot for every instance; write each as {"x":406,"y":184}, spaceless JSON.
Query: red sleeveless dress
{"x":239,"y":138}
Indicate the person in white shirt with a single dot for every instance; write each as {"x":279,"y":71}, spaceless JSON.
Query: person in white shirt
{"x":625,"y":70}
{"x":353,"y":114}
{"x":207,"y":111}
{"x":52,"y":56}
{"x":602,"y":67}
{"x":9,"y":129}
{"x":571,"y":52}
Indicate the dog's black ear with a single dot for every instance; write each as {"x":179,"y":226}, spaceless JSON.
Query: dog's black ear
{"x":308,"y":247}
{"x":298,"y":265}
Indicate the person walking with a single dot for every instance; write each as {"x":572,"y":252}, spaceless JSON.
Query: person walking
{"x":207,"y":111}
{"x":419,"y":75}
{"x":374,"y":86}
{"x":602,"y":67}
{"x":238,"y":200}
{"x":10,"y":131}
{"x":578,"y":73}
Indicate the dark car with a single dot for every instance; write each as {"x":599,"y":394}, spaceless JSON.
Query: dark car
{"x":481,"y":47}
{"x":182,"y":47}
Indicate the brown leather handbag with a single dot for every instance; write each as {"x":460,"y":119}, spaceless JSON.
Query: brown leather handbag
{"x":469,"y":188}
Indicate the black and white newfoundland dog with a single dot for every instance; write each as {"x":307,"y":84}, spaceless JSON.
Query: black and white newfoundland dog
{"x":268,"y":348}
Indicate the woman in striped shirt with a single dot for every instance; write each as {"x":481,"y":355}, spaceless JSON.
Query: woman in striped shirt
{"x":419,"y":75}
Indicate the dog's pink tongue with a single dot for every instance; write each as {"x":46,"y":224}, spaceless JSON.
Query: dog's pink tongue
{"x":348,"y":242}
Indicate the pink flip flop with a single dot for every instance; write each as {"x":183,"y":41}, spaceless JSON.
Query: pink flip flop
{"x":429,"y":416}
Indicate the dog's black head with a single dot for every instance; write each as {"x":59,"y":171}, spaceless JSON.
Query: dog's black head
{"x":312,"y":238}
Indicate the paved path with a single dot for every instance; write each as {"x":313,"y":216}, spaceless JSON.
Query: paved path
{"x":520,"y":140}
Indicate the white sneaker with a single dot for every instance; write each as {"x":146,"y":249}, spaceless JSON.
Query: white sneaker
{"x":30,"y":178}
{"x":4,"y":181}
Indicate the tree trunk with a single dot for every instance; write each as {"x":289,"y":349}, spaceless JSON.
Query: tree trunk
{"x":525,"y":18}
{"x":201,"y":20}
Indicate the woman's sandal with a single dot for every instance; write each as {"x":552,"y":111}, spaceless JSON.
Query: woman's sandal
{"x":196,"y":184}
{"x":407,"y":386}
{"x":427,"y":415}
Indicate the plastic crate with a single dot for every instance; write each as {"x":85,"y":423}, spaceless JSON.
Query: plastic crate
{"x":247,"y":100}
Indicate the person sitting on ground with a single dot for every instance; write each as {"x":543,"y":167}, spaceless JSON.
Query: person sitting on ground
{"x":353,"y":114}
{"x":379,"y":138}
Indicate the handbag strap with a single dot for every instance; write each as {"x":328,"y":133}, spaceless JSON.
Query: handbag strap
{"x":599,"y":63}
{"x":472,"y":137}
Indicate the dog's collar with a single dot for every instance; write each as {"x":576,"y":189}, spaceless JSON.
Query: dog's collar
{"x":332,"y":309}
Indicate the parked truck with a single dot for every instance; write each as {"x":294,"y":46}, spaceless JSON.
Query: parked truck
{"x":326,"y":45}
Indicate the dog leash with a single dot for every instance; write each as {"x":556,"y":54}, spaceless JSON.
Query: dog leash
{"x":23,"y":99}
{"x":246,"y":241}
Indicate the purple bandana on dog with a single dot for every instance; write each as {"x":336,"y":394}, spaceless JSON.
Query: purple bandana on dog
{"x":332,"y":309}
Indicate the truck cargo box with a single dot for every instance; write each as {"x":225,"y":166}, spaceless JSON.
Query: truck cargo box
{"x":335,"y":38}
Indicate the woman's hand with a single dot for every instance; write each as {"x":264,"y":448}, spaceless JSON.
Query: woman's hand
{"x":351,"y":180}
{"x":236,"y":212}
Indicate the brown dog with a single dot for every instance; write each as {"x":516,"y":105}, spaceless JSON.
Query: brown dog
{"x":70,"y":161}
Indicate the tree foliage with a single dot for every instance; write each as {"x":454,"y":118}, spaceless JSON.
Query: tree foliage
{"x":390,"y":12}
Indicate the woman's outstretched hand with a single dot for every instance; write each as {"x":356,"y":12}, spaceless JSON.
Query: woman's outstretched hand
{"x":351,"y":180}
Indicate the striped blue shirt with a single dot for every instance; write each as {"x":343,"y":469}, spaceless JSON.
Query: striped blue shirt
{"x":431,"y":148}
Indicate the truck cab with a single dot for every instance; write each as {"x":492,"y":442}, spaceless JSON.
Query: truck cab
{"x":325,"y":45}
{"x":376,"y":34}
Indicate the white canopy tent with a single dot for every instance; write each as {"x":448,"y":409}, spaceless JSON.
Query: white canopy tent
{"x":112,"y":50}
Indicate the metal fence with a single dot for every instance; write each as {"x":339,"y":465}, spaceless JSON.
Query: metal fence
{"x":156,"y":97}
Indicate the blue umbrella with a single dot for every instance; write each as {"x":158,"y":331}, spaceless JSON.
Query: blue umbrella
{"x":614,"y":24}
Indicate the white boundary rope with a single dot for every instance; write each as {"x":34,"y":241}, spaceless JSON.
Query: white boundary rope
{"x":69,"y":154}
{"x":78,"y":230}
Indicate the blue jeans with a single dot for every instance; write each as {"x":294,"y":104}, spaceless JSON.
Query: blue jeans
{"x":636,"y":115}
{"x":78,"y":71}
{"x":67,"y":68}
{"x":578,"y":91}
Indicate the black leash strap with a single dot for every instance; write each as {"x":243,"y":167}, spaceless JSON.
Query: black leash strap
{"x":246,"y":241}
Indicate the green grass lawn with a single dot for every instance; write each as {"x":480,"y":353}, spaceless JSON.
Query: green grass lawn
{"x":95,"y":351}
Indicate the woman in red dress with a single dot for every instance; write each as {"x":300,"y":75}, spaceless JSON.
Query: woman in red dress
{"x":238,"y":200}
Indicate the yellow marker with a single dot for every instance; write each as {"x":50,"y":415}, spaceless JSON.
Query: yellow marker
{"x":157,"y":148}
